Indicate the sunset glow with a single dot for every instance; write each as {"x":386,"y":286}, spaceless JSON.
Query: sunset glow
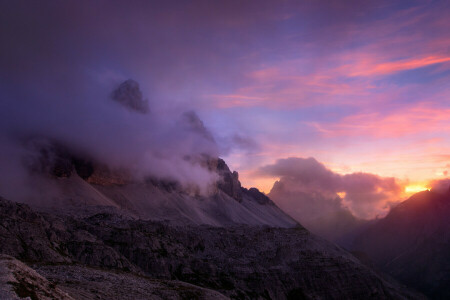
{"x":225,"y":149}
{"x":411,"y":189}
{"x":360,"y":86}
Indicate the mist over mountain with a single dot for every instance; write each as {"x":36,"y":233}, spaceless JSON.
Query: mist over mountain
{"x":169,"y":146}
{"x":169,"y":212}
{"x":123,"y":125}
{"x":332,"y":205}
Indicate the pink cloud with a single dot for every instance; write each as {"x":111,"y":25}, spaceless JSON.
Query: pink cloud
{"x":411,"y":121}
{"x":344,"y":74}
{"x":364,"y":68}
{"x":310,"y":189}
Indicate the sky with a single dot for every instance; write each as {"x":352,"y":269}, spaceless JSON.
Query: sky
{"x":360,"y":86}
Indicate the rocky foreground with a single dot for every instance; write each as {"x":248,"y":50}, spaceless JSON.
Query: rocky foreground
{"x":106,"y":256}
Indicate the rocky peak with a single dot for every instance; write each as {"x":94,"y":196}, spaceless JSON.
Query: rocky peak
{"x":229,"y":181}
{"x":259,"y":197}
{"x":129,"y":94}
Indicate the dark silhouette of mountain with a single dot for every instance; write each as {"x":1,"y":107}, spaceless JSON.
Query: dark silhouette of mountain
{"x":412,"y":243}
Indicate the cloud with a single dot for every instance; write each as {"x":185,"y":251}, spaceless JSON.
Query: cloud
{"x":398,"y":66}
{"x":418,"y":118}
{"x":312,"y":190}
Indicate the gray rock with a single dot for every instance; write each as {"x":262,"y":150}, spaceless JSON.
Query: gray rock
{"x":18,"y":281}
{"x":129,"y":94}
{"x":85,"y":283}
{"x":244,"y":262}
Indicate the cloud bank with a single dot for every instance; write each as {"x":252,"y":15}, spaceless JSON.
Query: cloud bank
{"x":309,"y":190}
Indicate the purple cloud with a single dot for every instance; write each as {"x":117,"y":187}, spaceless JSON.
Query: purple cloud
{"x":312,"y":190}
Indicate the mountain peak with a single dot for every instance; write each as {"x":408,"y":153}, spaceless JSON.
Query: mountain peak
{"x":129,"y":94}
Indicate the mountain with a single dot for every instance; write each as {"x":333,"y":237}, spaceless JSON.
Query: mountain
{"x":412,"y":243}
{"x":105,"y":255}
{"x":71,"y":183}
{"x":141,"y":207}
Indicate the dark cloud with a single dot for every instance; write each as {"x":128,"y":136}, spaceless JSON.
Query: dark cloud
{"x":311,"y":190}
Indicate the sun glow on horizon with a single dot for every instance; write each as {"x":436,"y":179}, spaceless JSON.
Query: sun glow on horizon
{"x":415,"y":188}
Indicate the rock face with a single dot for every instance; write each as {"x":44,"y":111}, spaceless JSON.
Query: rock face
{"x":18,"y":281}
{"x":229,"y":182}
{"x":69,"y":282}
{"x":241,"y":262}
{"x":129,"y":94}
{"x":412,"y":243}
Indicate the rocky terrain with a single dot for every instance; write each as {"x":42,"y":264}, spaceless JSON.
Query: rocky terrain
{"x":83,"y":256}
{"x":412,"y":243}
{"x":19,"y":281}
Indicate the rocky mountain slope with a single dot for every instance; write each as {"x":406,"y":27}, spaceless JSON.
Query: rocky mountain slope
{"x":412,"y":243}
{"x":240,"y":262}
{"x":70,"y":184}
{"x":19,"y":281}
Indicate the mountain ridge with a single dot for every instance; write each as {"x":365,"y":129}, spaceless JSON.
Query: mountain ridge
{"x":412,"y":243}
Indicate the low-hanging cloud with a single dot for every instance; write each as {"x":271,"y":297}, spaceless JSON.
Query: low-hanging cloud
{"x":92,"y":125}
{"x":311,"y":189}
